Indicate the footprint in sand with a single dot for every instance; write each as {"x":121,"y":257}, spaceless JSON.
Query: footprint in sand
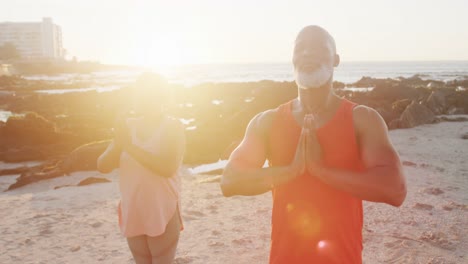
{"x":216,"y":244}
{"x":242,"y":241}
{"x":424,"y":165}
{"x":410,"y":223}
{"x":400,"y":256}
{"x":453,"y":188}
{"x":46,"y":230}
{"x":184,"y":260}
{"x":75,"y":248}
{"x":438,"y":239}
{"x":409,"y":163}
{"x":421,"y":206}
{"x":96,"y":224}
{"x":262,"y":211}
{"x":213,"y":208}
{"x":211,"y":196}
{"x":433,"y":191}
{"x":192,"y":215}
{"x":393,"y":244}
{"x":40,"y":216}
{"x":453,"y":205}
{"x":238,"y":218}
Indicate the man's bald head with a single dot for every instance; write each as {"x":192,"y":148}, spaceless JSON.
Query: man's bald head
{"x":318,"y":34}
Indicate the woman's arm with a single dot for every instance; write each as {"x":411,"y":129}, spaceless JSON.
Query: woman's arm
{"x":169,"y":156}
{"x":110,"y":159}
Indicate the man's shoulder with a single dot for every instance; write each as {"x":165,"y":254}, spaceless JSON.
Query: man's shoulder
{"x":264,"y":120}
{"x":365,"y":118}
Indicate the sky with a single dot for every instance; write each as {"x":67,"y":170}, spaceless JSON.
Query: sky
{"x":163,"y":32}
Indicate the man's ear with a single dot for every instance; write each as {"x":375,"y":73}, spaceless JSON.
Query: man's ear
{"x":337,"y":60}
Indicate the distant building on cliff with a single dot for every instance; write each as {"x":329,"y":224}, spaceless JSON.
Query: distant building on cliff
{"x":34,"y":40}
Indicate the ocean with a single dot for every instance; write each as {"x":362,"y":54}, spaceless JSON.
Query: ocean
{"x":347,"y":72}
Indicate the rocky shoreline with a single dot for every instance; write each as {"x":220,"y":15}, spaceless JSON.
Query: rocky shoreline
{"x":68,"y":131}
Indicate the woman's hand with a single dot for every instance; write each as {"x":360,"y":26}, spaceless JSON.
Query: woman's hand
{"x":121,"y":133}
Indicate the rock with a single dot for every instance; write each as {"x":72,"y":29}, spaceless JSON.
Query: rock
{"x":435,"y":84}
{"x":387,"y":114}
{"x":400,"y":105}
{"x":413,"y":80}
{"x":415,"y":115}
{"x":338,"y":85}
{"x":30,"y":177}
{"x":464,"y":136}
{"x":83,"y":158}
{"x":27,"y":153}
{"x":395,"y":124}
{"x":436,"y":102}
{"x":455,"y":111}
{"x":92,"y":180}
{"x":27,"y":130}
{"x":366,"y":82}
{"x":62,"y":186}
{"x":394,"y":92}
{"x":453,"y":118}
{"x":13,"y":171}
{"x":458,"y":83}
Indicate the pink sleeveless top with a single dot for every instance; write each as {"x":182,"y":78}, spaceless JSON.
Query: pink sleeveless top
{"x":148,"y":201}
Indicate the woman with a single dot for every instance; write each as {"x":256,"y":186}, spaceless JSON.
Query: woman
{"x":149,"y":150}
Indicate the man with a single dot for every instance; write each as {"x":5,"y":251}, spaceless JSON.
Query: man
{"x":326,"y":155}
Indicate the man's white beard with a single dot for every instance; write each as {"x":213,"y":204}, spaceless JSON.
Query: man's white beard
{"x":315,"y":79}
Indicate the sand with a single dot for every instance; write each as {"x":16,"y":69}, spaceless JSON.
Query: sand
{"x":79,"y":224}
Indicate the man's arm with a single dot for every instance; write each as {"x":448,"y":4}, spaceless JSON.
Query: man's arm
{"x":167,"y":160}
{"x":110,"y":159}
{"x":382,"y":179}
{"x":244,"y":174}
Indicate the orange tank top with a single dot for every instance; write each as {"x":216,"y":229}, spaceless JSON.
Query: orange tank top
{"x":311,"y":221}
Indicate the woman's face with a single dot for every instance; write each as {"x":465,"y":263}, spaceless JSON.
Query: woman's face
{"x":148,"y":102}
{"x":149,"y":96}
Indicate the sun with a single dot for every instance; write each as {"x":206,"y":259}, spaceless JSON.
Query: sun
{"x":164,"y":52}
{"x":158,"y":51}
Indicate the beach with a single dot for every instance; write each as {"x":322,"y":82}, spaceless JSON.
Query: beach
{"x":74,"y":224}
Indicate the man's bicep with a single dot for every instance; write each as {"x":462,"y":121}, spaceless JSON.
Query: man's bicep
{"x":376,"y":147}
{"x":251,"y":151}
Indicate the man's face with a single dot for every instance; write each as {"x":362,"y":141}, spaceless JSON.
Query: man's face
{"x":313,"y":60}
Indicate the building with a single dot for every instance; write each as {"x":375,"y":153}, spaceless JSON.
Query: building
{"x":34,"y":40}
{"x":5,"y":69}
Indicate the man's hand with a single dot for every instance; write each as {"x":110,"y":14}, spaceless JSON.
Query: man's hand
{"x":298,"y":165}
{"x":313,"y":150}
